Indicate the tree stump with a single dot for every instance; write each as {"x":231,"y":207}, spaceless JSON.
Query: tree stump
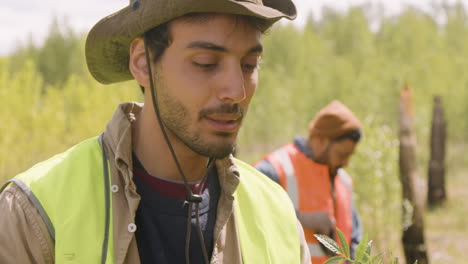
{"x":413,"y":226}
{"x":436,"y":184}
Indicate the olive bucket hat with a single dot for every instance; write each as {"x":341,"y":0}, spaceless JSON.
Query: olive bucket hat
{"x":108,"y":42}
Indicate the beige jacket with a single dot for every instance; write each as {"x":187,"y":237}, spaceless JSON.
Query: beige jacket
{"x":24,"y":237}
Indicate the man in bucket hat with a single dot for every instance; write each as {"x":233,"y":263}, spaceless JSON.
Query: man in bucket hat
{"x":160,"y":185}
{"x":310,"y":170}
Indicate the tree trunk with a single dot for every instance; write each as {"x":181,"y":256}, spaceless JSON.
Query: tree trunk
{"x":413,"y":226}
{"x":436,"y":188}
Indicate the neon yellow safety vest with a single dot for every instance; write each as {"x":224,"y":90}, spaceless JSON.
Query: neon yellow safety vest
{"x":72,"y":194}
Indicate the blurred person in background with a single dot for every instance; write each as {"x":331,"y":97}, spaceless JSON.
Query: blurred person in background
{"x":160,"y":185}
{"x":311,"y":171}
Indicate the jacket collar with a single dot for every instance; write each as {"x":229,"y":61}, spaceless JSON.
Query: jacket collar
{"x":301,"y":144}
{"x":229,"y":176}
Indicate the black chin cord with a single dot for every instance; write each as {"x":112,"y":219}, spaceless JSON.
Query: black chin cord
{"x":190,"y":197}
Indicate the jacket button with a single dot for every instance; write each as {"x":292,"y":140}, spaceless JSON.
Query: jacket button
{"x":115,"y":188}
{"x":132,"y":228}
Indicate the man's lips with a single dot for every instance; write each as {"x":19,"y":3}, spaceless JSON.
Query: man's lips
{"x":224,"y":122}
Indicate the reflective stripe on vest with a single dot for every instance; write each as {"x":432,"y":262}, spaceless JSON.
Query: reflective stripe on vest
{"x":345,"y":179}
{"x":281,"y":155}
{"x":80,"y":210}
{"x":71,"y":189}
{"x":33,"y":199}
{"x":315,"y":250}
{"x":291,"y":181}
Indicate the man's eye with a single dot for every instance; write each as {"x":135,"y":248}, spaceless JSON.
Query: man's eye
{"x":205,"y":66}
{"x":250,"y":66}
{"x":252,"y":63}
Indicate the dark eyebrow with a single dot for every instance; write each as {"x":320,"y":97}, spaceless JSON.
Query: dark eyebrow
{"x":210,"y":46}
{"x":256,"y":49}
{"x":206,"y":45}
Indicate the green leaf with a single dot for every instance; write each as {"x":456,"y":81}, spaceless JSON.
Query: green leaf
{"x":361,"y":248}
{"x":329,"y":243}
{"x":380,"y":261}
{"x":344,"y":243}
{"x":376,"y":258}
{"x":367,"y":254}
{"x":335,"y":260}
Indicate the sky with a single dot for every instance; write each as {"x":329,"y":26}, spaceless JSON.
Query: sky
{"x":22,"y":20}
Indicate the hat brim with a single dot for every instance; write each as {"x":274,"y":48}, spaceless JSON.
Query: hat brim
{"x":108,"y":42}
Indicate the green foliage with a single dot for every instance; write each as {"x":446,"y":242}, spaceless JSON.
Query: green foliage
{"x":58,"y":58}
{"x":363,"y":251}
{"x":60,"y":55}
{"x":343,"y":244}
{"x":37,"y":124}
{"x":374,"y":168}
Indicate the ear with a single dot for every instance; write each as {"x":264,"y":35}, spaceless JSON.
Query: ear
{"x":137,"y":64}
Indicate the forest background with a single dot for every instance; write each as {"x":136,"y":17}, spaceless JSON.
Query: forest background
{"x":49,"y":102}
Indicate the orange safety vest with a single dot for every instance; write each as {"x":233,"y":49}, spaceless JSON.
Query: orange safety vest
{"x":308,"y":186}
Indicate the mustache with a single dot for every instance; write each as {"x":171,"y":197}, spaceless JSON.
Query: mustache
{"x":222,"y":109}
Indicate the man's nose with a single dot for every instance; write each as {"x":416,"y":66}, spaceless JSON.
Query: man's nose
{"x":232,"y":88}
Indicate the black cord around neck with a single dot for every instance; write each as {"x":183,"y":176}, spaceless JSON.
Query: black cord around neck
{"x":190,"y":197}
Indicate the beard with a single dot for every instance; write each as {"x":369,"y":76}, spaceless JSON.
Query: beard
{"x":176,"y":118}
{"x":324,"y":158}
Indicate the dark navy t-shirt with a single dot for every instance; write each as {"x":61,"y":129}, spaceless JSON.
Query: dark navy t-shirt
{"x":161,"y":218}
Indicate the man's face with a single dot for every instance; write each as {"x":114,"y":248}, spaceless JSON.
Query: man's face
{"x":337,"y":154}
{"x":205,"y":80}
